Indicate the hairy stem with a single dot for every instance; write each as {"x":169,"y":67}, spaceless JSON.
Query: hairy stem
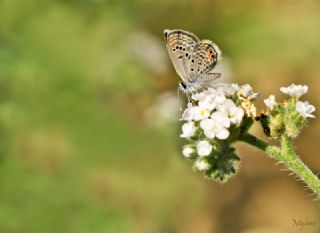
{"x":288,"y":157}
{"x":294,"y":163}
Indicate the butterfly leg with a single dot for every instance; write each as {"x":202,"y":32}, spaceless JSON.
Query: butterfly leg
{"x":179,"y":100}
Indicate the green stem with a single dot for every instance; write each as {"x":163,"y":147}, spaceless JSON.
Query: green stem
{"x":272,"y":151}
{"x":288,"y":157}
{"x":294,"y":163}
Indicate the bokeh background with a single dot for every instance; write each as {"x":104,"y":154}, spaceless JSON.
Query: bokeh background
{"x":89,"y":131}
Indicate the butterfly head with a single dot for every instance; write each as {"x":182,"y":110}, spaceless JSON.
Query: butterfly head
{"x":189,"y":88}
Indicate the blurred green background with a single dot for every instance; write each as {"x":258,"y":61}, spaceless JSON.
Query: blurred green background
{"x":88,"y":116}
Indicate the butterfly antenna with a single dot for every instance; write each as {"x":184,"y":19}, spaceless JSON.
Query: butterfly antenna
{"x":193,"y":90}
{"x":189,"y":95}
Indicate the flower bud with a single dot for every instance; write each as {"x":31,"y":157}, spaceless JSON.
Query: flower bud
{"x":188,"y":151}
{"x":202,"y":164}
{"x":276,"y":125}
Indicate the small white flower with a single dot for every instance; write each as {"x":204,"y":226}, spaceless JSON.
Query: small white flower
{"x":234,"y":113}
{"x":216,"y":126}
{"x":200,"y":113}
{"x":270,"y":102}
{"x":245,"y":90}
{"x":305,"y":109}
{"x":202,"y":165}
{"x":232,"y":89}
{"x":195,"y":113}
{"x":207,"y":126}
{"x":188,"y":129}
{"x":187,"y":151}
{"x":295,"y":90}
{"x":204,"y":148}
{"x":207,"y":103}
{"x":221,"y":118}
{"x":187,"y":114}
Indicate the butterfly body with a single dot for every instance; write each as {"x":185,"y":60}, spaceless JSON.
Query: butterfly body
{"x":192,"y":58}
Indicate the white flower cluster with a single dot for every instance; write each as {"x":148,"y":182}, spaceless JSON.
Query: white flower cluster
{"x":304,"y":108}
{"x":295,"y":90}
{"x":211,"y":113}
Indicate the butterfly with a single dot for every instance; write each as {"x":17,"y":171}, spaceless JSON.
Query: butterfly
{"x":192,"y":58}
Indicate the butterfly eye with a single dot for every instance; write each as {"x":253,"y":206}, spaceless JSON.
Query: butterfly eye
{"x":182,"y":85}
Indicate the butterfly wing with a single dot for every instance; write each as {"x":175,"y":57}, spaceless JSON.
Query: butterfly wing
{"x":205,"y":78}
{"x":203,"y":59}
{"x":180,"y":45}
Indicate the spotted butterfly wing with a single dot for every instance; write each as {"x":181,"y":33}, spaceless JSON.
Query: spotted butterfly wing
{"x":180,"y":45}
{"x":202,"y":61}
